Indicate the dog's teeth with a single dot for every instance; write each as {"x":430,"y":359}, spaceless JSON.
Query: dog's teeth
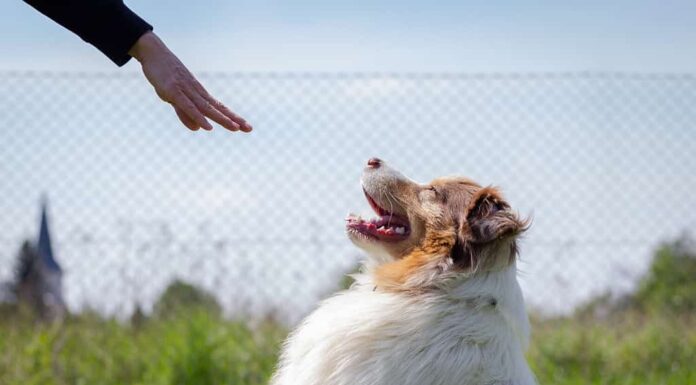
{"x":400,"y":230}
{"x":381,"y":228}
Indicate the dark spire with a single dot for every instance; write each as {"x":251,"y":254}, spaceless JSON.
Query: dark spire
{"x":44,"y":246}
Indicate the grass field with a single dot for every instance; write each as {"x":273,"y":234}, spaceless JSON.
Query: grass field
{"x":628,"y":348}
{"x":192,"y":349}
{"x":204,"y":350}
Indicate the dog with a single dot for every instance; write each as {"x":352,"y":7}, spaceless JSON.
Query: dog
{"x":437,"y":301}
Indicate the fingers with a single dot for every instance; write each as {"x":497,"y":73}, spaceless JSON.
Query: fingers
{"x":188,"y":122}
{"x":219,"y":107}
{"x":182,"y":102}
{"x":193,"y":105}
{"x":208,"y":109}
{"x":243,"y":124}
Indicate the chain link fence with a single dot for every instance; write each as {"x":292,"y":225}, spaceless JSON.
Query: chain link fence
{"x":604,"y":162}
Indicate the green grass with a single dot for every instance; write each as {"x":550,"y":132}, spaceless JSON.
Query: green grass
{"x":627,"y":348}
{"x":192,"y":349}
{"x":198,"y":349}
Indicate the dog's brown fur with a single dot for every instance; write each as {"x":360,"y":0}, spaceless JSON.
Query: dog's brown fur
{"x":463,"y":224}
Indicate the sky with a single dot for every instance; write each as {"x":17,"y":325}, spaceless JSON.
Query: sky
{"x":382,"y":36}
{"x":602,"y":162}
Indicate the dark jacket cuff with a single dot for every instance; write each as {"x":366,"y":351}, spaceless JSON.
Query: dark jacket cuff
{"x":115,"y":30}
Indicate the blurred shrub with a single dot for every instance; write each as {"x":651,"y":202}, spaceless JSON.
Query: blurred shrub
{"x":670,"y":285}
{"x":633,"y":349}
{"x":347,"y":279}
{"x":646,"y":337}
{"x":181,"y":297}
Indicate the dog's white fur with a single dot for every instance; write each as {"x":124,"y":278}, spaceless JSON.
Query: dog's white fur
{"x":472,"y":330}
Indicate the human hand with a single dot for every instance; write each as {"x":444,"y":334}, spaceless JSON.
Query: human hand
{"x":176,"y":85}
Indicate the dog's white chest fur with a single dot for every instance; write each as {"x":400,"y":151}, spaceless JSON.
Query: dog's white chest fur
{"x":474,"y":332}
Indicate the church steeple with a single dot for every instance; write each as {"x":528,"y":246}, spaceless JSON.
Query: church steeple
{"x":44,"y":246}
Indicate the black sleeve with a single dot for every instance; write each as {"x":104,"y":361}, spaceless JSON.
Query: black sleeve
{"x":106,"y":24}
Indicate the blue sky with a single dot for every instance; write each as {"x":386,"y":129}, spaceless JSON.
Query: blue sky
{"x":603,"y":163}
{"x":108,"y":152}
{"x":364,"y":35}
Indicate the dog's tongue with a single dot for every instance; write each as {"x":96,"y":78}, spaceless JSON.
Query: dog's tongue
{"x":383,"y":226}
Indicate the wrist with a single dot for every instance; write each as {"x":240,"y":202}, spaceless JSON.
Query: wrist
{"x":147,"y":46}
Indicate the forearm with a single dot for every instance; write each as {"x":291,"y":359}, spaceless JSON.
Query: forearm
{"x":108,"y":25}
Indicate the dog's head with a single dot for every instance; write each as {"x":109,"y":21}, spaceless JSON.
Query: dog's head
{"x":424,"y":233}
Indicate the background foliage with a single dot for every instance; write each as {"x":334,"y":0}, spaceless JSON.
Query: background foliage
{"x":648,"y":337}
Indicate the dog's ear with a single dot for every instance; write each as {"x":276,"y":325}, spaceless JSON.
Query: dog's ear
{"x":489,"y":218}
{"x":485,"y":225}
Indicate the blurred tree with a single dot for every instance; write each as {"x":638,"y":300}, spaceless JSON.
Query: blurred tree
{"x":138,"y":318}
{"x":670,"y":284}
{"x":181,"y":297}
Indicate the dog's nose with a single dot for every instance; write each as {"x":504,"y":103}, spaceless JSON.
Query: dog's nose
{"x":374,"y":162}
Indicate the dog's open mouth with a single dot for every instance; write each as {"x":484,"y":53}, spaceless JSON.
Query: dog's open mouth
{"x":386,"y":226}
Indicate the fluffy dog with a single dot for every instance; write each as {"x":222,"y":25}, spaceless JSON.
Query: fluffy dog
{"x":438,"y":301}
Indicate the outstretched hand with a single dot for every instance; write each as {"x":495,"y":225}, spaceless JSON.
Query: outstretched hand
{"x":176,"y":85}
